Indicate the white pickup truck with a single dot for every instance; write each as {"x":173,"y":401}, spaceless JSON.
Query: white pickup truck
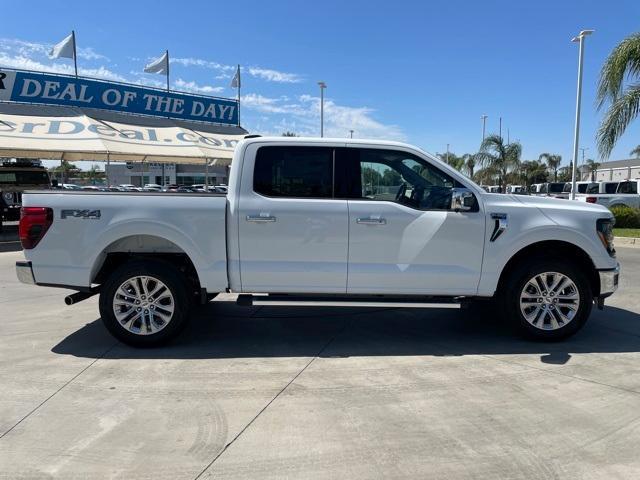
{"x":323,"y":222}
{"x":614,"y":194}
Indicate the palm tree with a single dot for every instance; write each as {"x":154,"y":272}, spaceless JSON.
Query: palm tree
{"x":622,"y":64}
{"x":499,"y":157}
{"x":592,"y":168}
{"x":469,"y":163}
{"x":534,"y":171}
{"x":635,"y":152}
{"x":553,"y":162}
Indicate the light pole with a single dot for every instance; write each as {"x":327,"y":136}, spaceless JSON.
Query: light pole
{"x":322,"y":86}
{"x":576,"y":133}
{"x":351,"y":133}
{"x":484,"y":125}
{"x":447,"y":153}
{"x":583,"y":150}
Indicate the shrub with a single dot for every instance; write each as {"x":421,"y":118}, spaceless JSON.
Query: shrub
{"x":626,"y":217}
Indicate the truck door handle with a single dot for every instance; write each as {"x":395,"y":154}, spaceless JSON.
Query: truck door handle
{"x":371,"y":220}
{"x":261,"y":218}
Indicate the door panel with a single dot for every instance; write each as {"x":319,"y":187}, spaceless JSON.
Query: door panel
{"x":403,"y":237}
{"x":303,"y":248}
{"x":413,"y":252}
{"x":290,"y":241}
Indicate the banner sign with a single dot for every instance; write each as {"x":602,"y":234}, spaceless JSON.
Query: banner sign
{"x":54,"y":89}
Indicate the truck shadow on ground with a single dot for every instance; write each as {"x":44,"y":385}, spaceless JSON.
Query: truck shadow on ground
{"x":220,"y":330}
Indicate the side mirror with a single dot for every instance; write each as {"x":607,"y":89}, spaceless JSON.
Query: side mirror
{"x":462,"y":200}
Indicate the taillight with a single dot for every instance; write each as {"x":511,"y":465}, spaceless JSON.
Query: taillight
{"x":34,"y":223}
{"x":591,"y":199}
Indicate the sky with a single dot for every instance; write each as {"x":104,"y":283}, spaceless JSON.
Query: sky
{"x":423,"y":72}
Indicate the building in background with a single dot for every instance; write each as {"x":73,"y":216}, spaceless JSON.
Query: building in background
{"x":139,"y":174}
{"x":616,"y":170}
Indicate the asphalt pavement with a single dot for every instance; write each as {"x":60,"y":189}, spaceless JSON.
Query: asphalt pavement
{"x":277,"y":392}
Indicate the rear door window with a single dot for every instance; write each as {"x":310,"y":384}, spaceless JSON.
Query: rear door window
{"x":300,"y":172}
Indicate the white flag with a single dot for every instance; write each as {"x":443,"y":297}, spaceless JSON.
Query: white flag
{"x":235,"y":81}
{"x":160,"y":65}
{"x":64,"y":49}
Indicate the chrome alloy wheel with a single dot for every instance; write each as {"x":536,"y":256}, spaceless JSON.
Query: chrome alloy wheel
{"x":549,"y":301}
{"x":143,"y":305}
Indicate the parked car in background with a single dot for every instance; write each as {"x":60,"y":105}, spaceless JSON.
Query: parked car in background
{"x":517,"y":190}
{"x":70,"y":186}
{"x":624,"y":194}
{"x":148,"y":187}
{"x":495,"y":189}
{"x":551,"y":189}
{"x":302,"y":224}
{"x":15,"y":178}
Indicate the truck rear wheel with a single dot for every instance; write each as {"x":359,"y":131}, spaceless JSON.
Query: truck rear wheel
{"x":144,"y":303}
{"x":547,"y":299}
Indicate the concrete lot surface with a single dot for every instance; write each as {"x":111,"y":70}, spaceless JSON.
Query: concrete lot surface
{"x":316,"y":393}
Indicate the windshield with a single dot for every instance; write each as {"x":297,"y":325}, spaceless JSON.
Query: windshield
{"x":23,"y":177}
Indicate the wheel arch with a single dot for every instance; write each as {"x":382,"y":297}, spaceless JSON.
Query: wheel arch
{"x":140,"y":247}
{"x":553,"y":249}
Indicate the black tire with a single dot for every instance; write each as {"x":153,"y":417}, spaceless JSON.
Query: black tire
{"x":175,"y":284}
{"x":515,"y":284}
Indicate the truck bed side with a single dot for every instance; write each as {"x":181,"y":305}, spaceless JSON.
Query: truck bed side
{"x":89,"y":226}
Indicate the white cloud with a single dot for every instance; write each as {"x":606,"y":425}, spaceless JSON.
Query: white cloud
{"x":25,"y":63}
{"x":198,"y":62}
{"x":303,"y":117}
{"x":16,"y":47}
{"x":274,"y":75}
{"x":194,"y":87}
{"x":268,"y":74}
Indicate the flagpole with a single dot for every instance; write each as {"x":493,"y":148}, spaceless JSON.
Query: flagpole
{"x":75,"y":61}
{"x":167,"y":70}
{"x":239,"y":85}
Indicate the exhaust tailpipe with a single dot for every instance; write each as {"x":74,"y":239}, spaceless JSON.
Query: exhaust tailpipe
{"x":79,"y":296}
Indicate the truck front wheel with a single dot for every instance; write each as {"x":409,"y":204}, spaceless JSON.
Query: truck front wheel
{"x":547,"y":299}
{"x":144,"y":303}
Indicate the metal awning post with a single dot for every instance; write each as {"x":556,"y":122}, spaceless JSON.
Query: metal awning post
{"x":206,"y":174}
{"x":106,"y":171}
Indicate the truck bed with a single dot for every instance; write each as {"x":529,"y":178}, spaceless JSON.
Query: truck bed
{"x":88,"y":226}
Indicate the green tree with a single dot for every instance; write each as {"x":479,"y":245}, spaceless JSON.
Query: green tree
{"x":619,"y":89}
{"x":289,"y":134}
{"x":499,"y":157}
{"x":592,"y":168}
{"x":565,"y":173}
{"x":469,"y":164}
{"x":65,"y":170}
{"x":534,"y":171}
{"x":635,"y":152}
{"x":452,"y":159}
{"x":553,"y":162}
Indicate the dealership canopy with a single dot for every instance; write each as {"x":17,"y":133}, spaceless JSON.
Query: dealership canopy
{"x":73,"y":133}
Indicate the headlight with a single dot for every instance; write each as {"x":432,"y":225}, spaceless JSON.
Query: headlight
{"x":604,"y":227}
{"x":8,"y":195}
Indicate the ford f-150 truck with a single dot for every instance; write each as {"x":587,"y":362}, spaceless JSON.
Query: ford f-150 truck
{"x":322,"y":222}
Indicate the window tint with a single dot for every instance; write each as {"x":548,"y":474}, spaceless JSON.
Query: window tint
{"x":593,"y":188}
{"x":403,"y":178}
{"x":556,"y":187}
{"x":628,"y":187}
{"x":610,"y":187}
{"x":294,"y":172}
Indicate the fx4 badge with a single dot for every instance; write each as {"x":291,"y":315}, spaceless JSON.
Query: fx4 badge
{"x":86,"y":214}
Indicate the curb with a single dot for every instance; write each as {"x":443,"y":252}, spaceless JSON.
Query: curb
{"x":626,"y":242}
